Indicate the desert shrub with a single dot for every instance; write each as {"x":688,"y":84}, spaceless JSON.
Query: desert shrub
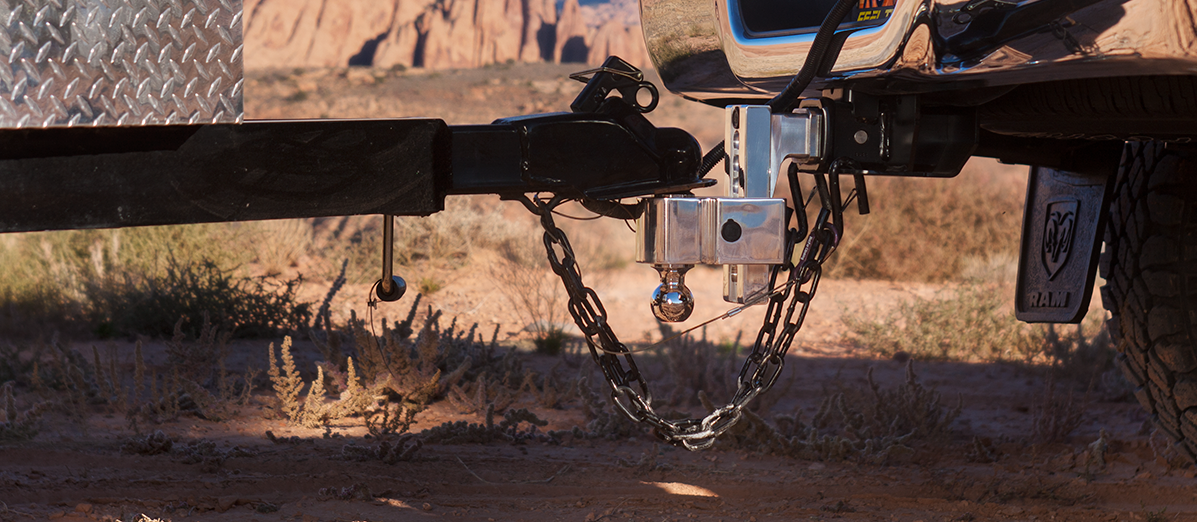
{"x":534,"y":291}
{"x":286,"y":381}
{"x":924,"y":229}
{"x":974,"y":322}
{"x":697,"y":364}
{"x":18,"y":424}
{"x":429,"y":285}
{"x":195,"y":380}
{"x":279,"y":244}
{"x":552,"y":390}
{"x":523,"y":276}
{"x":149,"y":444}
{"x":1056,"y":414}
{"x":965,"y":322}
{"x":141,"y":280}
{"x":314,"y":410}
{"x":208,"y":456}
{"x":488,"y":392}
{"x":1082,"y":355}
{"x":876,"y":425}
{"x":16,"y":365}
{"x":601,"y":419}
{"x":252,"y":307}
{"x":1078,"y":367}
{"x":402,"y":450}
{"x":388,"y":379}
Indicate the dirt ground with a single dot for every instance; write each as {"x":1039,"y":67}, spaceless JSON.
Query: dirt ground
{"x":985,"y":470}
{"x":72,"y":471}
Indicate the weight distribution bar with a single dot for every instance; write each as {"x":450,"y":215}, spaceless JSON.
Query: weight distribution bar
{"x":71,"y":178}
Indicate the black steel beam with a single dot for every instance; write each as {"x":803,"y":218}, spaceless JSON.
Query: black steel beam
{"x":118,"y":177}
{"x":590,"y":155}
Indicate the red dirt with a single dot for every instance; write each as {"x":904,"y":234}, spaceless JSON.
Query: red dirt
{"x":66,"y":471}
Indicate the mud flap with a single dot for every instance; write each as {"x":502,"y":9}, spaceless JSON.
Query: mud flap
{"x":1062,"y":226}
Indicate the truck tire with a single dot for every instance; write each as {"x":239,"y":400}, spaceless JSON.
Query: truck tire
{"x":1150,"y":267}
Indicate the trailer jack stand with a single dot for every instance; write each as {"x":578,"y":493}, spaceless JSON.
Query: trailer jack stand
{"x":391,"y":287}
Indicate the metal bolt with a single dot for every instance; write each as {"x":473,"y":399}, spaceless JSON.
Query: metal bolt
{"x":860,"y":137}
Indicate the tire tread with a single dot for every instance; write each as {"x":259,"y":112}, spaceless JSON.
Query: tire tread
{"x":1151,"y":290}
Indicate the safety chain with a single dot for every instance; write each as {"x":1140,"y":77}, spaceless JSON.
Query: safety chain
{"x":764,"y":363}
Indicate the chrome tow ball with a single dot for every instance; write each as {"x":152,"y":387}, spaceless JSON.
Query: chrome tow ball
{"x":391,"y":287}
{"x":672,"y":301}
{"x":673,"y":234}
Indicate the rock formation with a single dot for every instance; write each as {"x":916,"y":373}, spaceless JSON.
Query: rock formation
{"x":437,"y":34}
{"x":619,"y":39}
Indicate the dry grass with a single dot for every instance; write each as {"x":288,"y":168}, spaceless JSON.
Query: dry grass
{"x":53,"y":280}
{"x":442,"y":242}
{"x":965,"y":322}
{"x":1056,"y":414}
{"x":245,"y":275}
{"x":876,"y":425}
{"x":523,"y":275}
{"x":926,"y":229}
{"x":974,"y":322}
{"x":141,"y":280}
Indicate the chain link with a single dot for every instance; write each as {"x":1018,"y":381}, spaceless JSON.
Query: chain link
{"x":788,"y":305}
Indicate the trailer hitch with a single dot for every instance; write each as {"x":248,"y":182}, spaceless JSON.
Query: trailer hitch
{"x":604,"y":150}
{"x":107,"y":177}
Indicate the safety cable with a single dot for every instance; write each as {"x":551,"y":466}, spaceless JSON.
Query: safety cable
{"x":817,"y":56}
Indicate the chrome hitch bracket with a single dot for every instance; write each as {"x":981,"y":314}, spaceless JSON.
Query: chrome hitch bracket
{"x":744,"y":231}
{"x":759,"y":144}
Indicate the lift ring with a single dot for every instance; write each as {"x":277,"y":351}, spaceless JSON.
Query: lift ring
{"x":653,"y":93}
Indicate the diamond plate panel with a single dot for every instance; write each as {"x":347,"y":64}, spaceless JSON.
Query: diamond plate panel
{"x":67,"y":63}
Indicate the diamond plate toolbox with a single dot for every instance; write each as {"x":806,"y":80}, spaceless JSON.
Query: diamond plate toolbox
{"x":70,"y":63}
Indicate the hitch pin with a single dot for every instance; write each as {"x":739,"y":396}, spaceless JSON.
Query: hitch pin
{"x":391,"y":287}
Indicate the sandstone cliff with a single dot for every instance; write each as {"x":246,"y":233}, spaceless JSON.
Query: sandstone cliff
{"x":437,"y":34}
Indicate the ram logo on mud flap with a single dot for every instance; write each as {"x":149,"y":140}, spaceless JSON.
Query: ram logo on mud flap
{"x":1058,"y":231}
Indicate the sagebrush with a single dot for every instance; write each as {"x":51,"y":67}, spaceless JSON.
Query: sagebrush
{"x":964,"y":322}
{"x":876,"y":425}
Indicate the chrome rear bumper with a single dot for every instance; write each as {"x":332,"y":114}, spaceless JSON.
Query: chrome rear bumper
{"x":704,"y":51}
